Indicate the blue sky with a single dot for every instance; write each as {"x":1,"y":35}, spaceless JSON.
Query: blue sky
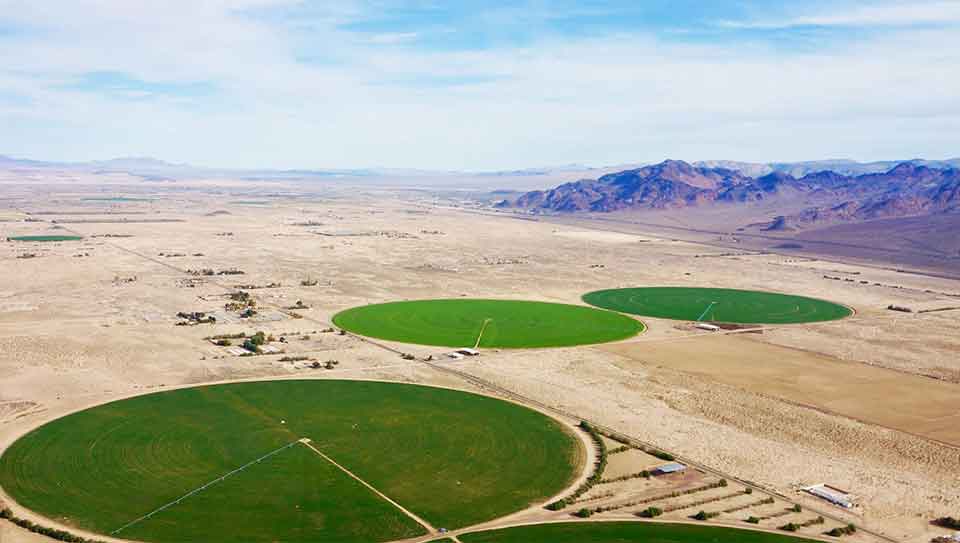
{"x":478,"y":85}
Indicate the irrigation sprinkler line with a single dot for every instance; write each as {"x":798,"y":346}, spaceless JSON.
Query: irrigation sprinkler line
{"x":307,"y":442}
{"x":482,"y":328}
{"x":705,"y":311}
{"x":201,"y":488}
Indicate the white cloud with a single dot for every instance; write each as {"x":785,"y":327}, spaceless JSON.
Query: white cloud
{"x":617,"y":99}
{"x":909,"y":13}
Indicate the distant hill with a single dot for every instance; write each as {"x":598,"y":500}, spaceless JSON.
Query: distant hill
{"x":828,"y":197}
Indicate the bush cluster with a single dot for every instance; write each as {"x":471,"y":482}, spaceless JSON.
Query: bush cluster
{"x":594,"y":478}
{"x":703,"y":515}
{"x":849,"y":529}
{"x":765,"y":501}
{"x":812,"y":522}
{"x":652,"y":499}
{"x":662,"y":455}
{"x":645,"y":474}
{"x":650,"y":512}
{"x":703,"y":501}
{"x":59,"y":535}
{"x":948,"y":522}
{"x":620,"y":449}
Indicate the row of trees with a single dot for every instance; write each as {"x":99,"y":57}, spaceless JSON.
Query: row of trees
{"x":594,"y":478}
{"x":59,"y":535}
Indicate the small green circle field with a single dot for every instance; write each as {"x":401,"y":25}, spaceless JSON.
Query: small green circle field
{"x":462,"y":322}
{"x":623,"y":532}
{"x":717,"y":305}
{"x":304,"y":460}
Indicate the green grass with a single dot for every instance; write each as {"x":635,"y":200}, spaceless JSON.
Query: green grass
{"x":625,"y":532}
{"x":45,"y":238}
{"x":457,"y":322}
{"x":295,"y":489}
{"x":732,"y":305}
{"x":451,"y":457}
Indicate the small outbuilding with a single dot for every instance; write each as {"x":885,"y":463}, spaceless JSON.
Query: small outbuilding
{"x":831,"y":494}
{"x":467,"y":352}
{"x":672,"y":467}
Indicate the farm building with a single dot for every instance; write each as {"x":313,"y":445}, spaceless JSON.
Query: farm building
{"x":467,"y":352}
{"x":708,"y":327}
{"x":831,"y":494}
{"x":673,"y":467}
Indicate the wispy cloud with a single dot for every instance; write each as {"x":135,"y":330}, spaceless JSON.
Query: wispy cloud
{"x":393,"y":38}
{"x":904,"y":14}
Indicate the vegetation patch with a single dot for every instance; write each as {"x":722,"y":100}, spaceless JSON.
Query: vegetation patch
{"x":45,"y":238}
{"x":487,"y":323}
{"x":717,"y":305}
{"x":451,"y":457}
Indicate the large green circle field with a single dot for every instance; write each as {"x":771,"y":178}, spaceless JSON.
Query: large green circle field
{"x":451,"y":458}
{"x":724,"y":305}
{"x":624,"y":532}
{"x":459,"y":322}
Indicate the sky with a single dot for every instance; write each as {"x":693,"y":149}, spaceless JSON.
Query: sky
{"x":471,"y":85}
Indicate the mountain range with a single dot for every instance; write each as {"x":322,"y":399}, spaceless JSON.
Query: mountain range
{"x":820,"y":197}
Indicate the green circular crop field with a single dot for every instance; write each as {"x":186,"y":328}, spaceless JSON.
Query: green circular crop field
{"x":266,"y":461}
{"x":45,"y":238}
{"x":460,"y":322}
{"x":717,"y":305}
{"x":623,"y":532}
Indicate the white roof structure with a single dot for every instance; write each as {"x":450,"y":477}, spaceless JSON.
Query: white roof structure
{"x":467,"y":351}
{"x":673,"y":467}
{"x":831,"y":494}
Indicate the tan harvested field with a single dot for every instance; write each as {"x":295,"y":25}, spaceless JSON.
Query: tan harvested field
{"x":844,"y":403}
{"x":909,"y":403}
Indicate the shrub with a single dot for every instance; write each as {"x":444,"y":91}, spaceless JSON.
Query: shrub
{"x":703,"y":515}
{"x":948,"y":522}
{"x":753,"y":520}
{"x":796,"y":508}
{"x":663,"y":455}
{"x":584,"y":513}
{"x":651,"y":512}
{"x":849,"y":529}
{"x":790,"y":527}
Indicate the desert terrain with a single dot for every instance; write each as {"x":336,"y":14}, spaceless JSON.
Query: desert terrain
{"x":869,"y":404}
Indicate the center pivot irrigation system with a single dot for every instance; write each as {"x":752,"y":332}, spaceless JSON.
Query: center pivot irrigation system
{"x":480,"y":335}
{"x":705,"y":311}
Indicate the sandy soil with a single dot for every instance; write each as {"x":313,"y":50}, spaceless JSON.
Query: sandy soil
{"x":86,"y":322}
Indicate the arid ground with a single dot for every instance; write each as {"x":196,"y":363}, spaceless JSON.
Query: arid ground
{"x":870,"y":404}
